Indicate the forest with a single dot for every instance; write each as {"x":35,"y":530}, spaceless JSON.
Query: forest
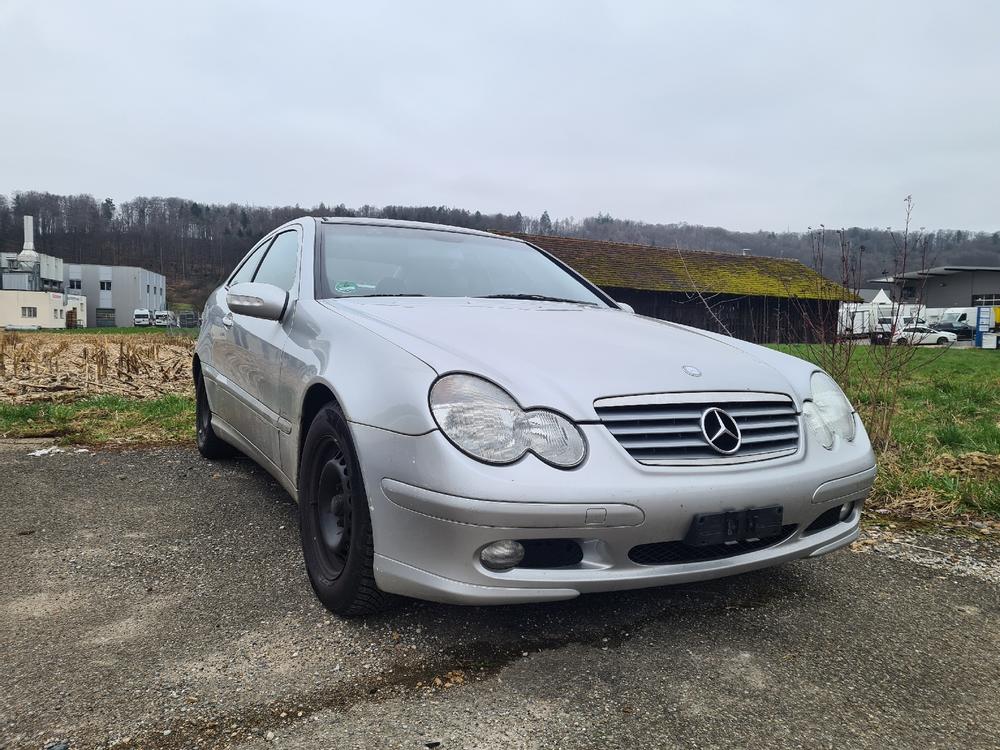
{"x":195,"y":244}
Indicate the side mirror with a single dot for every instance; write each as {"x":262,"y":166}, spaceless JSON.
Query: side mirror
{"x":625,"y":307}
{"x":257,"y":300}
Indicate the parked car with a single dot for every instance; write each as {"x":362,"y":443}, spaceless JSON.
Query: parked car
{"x":962,"y":331}
{"x":141,"y":317}
{"x":917,"y":335}
{"x":464,"y":418}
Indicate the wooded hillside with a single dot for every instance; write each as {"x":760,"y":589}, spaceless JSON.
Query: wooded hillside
{"x":196,"y":244}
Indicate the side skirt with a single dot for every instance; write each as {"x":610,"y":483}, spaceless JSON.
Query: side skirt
{"x":228,"y":433}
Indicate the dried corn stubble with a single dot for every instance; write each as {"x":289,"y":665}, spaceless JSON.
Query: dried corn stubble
{"x":57,"y":367}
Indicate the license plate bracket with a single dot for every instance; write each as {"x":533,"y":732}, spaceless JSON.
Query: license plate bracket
{"x":734,"y":526}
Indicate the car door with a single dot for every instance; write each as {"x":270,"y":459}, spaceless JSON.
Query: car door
{"x":222,"y":358}
{"x":249,"y":351}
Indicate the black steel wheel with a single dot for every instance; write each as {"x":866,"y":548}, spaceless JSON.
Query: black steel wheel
{"x":334,"y":522}
{"x":210,"y":445}
{"x":333,"y":508}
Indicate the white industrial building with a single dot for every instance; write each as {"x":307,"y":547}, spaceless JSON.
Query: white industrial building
{"x":114,"y":293}
{"x":40,"y":291}
{"x":32,"y":293}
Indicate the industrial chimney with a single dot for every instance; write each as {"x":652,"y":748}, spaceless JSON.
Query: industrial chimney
{"x":29,"y":233}
{"x":28,"y":258}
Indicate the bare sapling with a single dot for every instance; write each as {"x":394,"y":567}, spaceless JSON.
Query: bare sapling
{"x":861,"y":346}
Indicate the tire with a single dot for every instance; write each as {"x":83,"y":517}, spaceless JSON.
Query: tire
{"x":334,"y":522}
{"x":942,"y":341}
{"x":210,"y":445}
{"x":902,"y":342}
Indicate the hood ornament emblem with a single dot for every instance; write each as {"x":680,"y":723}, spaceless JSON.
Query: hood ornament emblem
{"x":721,"y":431}
{"x":691,"y":370}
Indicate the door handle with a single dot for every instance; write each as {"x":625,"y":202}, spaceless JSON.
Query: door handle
{"x":227,"y":320}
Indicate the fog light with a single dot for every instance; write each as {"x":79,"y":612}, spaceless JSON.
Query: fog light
{"x":845,"y":510}
{"x":502,"y":555}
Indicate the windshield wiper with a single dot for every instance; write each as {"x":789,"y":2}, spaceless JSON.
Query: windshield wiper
{"x":399,"y":294}
{"x":539,"y":297}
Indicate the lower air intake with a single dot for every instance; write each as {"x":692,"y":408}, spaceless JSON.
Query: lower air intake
{"x":674,"y":553}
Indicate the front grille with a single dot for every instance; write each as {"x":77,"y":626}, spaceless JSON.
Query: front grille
{"x":672,"y":553}
{"x":665,"y":429}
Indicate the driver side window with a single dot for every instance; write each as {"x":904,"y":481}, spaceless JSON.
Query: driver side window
{"x":279,"y":265}
{"x":249,"y":268}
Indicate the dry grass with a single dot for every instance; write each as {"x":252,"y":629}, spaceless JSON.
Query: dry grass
{"x":920,"y":501}
{"x":40,"y":367}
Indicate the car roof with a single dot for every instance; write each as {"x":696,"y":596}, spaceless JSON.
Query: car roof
{"x":408,"y":225}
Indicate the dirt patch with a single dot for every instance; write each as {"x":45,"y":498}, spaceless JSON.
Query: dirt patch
{"x":23,"y":445}
{"x":969,"y":550}
{"x":975,"y":464}
{"x":59,"y":367}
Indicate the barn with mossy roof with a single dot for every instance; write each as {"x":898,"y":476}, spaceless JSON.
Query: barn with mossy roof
{"x":765,"y":300}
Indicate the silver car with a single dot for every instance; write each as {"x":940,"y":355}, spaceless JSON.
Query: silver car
{"x":464,"y":418}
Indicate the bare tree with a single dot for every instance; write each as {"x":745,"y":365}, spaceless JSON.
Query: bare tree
{"x":872,"y":369}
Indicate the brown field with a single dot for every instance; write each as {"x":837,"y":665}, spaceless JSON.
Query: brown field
{"x":46,"y":367}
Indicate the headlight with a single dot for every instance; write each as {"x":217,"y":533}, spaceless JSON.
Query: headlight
{"x":816,"y":426}
{"x":483,"y":420}
{"x":831,"y":408}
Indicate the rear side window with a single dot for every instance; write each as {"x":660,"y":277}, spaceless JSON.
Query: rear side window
{"x":249,"y":267}
{"x":278,"y":266}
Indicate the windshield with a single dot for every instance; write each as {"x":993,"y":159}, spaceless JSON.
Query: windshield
{"x":375,"y":261}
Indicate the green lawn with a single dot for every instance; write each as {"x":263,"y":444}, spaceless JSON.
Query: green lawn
{"x":190,"y":332}
{"x":944,"y":453}
{"x":103,"y":420}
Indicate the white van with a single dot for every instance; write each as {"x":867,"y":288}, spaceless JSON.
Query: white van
{"x":164,"y":318}
{"x":969,"y":316}
{"x":141,"y":317}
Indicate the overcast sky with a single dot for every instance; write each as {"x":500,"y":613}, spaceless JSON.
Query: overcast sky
{"x":745,"y":115}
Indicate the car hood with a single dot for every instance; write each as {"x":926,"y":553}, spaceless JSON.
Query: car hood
{"x":564,"y":356}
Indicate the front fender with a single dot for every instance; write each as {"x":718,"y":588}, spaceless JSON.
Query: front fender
{"x":376,"y":382}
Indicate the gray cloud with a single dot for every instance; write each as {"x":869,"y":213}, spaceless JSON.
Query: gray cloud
{"x":746,"y":115}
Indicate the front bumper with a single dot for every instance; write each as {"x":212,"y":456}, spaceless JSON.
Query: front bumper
{"x":427,"y":540}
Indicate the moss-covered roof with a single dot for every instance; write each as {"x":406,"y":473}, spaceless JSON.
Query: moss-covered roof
{"x":662,"y":269}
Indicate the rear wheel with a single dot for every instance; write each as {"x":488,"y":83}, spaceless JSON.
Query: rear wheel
{"x":210,"y":445}
{"x":334,"y":522}
{"x":902,"y":342}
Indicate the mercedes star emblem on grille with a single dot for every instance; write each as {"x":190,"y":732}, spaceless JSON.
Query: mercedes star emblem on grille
{"x":720,"y":431}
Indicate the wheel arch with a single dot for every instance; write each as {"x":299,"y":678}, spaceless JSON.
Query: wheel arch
{"x":317,"y":395}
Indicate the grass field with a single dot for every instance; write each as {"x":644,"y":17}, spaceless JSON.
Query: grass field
{"x":944,"y":454}
{"x":943,"y":459}
{"x":164,"y":330}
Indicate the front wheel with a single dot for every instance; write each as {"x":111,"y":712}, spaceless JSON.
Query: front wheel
{"x":334,"y":522}
{"x":942,"y":340}
{"x":902,"y":342}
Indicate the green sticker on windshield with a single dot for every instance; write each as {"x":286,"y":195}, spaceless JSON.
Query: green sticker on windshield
{"x":346,"y":287}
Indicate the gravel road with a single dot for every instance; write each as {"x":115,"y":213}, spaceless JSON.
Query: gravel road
{"x":152,"y":599}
